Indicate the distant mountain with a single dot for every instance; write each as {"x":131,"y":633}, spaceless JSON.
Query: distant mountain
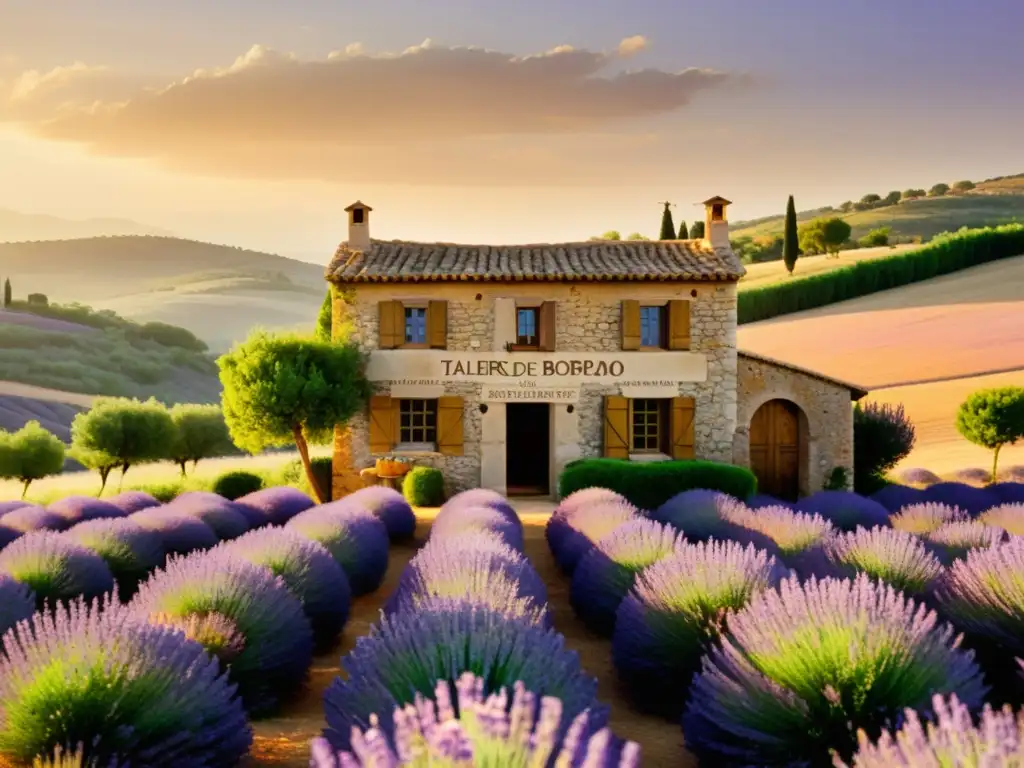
{"x":16,"y":226}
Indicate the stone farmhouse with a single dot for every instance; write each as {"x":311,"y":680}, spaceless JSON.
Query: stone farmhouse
{"x":500,"y":364}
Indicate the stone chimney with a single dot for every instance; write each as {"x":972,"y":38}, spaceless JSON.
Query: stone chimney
{"x":358,"y":226}
{"x":716,"y":224}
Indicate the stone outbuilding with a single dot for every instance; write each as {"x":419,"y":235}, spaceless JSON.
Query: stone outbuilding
{"x":500,"y":364}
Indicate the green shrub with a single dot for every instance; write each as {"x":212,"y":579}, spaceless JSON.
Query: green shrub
{"x":648,"y":485}
{"x":294,"y":474}
{"x":424,"y":487}
{"x":163,"y":492}
{"x":838,"y":479}
{"x":943,"y":255}
{"x":234,"y":485}
{"x":323,"y":473}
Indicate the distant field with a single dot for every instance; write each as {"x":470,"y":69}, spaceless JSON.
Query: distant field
{"x":770,"y":272}
{"x":932,"y":408}
{"x":963,"y":324}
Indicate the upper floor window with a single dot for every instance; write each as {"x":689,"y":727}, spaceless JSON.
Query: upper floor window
{"x":415,"y":325}
{"x":526,"y":327}
{"x":652,"y":327}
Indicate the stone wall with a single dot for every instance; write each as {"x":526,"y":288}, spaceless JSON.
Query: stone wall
{"x":826,"y":407}
{"x":587,"y":320}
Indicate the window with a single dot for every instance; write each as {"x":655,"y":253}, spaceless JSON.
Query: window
{"x":415,"y":325}
{"x":649,"y":426}
{"x":417,"y":421}
{"x":652,"y":327}
{"x":526,"y":327}
{"x":358,"y":215}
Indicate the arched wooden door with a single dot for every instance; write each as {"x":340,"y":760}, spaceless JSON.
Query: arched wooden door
{"x":775,"y":449}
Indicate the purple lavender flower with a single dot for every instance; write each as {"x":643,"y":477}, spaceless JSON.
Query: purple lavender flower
{"x":77,"y":509}
{"x":802,"y":667}
{"x":54,"y":568}
{"x":583,"y":528}
{"x":278,"y":640}
{"x":790,"y":532}
{"x":951,"y":739}
{"x":308,"y":569}
{"x":129,"y":550}
{"x":16,"y":602}
{"x":925,"y":517}
{"x":388,"y":505}
{"x":954,"y":540}
{"x":133,"y":501}
{"x":982,"y":594}
{"x":503,"y":581}
{"x":676,"y":610}
{"x":180,"y":532}
{"x":972,"y":500}
{"x":227,"y":519}
{"x":558,"y":528}
{"x":218,"y":634}
{"x":762,"y":500}
{"x":702,"y":514}
{"x":126,"y":692}
{"x":480,"y":497}
{"x":7,"y":535}
{"x":1008,"y":493}
{"x":1008,"y":516}
{"x":488,"y":730}
{"x":10,"y":506}
{"x":606,"y":573}
{"x":845,"y":510}
{"x":356,"y":539}
{"x":34,"y":518}
{"x":410,"y":651}
{"x":919,"y":476}
{"x":897,"y":558}
{"x":275,"y":506}
{"x":893,"y":497}
{"x":466,"y":518}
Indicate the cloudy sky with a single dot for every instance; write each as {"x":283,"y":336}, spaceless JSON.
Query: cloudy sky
{"x":255,"y":122}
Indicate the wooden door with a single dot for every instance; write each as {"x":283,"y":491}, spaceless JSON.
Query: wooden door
{"x":775,"y":449}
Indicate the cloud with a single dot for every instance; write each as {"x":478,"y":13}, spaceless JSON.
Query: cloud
{"x":354,"y":115}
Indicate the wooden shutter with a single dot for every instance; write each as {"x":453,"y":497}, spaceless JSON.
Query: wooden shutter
{"x":449,"y":426}
{"x":546,"y":321}
{"x":616,"y":427}
{"x":630,"y":324}
{"x":681,"y":422}
{"x":437,"y":324}
{"x":679,"y":324}
{"x":392,"y":324}
{"x":382,"y":423}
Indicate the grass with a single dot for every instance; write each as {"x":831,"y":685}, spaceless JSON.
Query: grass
{"x":771,"y":272}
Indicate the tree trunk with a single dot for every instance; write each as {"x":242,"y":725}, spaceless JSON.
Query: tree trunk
{"x":300,"y":443}
{"x":124,"y":471}
{"x":995,"y":463}
{"x":183,"y":463}
{"x":104,"y":474}
{"x":24,"y":488}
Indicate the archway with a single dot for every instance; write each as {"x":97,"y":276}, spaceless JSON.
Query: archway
{"x":778,"y":448}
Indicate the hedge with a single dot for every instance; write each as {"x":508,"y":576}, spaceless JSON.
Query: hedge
{"x":944,"y":254}
{"x":648,"y":485}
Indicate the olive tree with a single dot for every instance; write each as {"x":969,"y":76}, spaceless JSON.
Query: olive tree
{"x":281,"y":389}
{"x":323,"y":319}
{"x":31,"y":453}
{"x":992,"y":418}
{"x":200,"y":433}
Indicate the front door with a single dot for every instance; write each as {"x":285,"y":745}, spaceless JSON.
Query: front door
{"x":775,"y":449}
{"x":527,"y":448}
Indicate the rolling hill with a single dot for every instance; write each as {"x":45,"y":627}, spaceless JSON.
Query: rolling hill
{"x":16,"y":226}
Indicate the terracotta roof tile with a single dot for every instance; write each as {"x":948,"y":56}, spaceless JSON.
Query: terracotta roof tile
{"x":605,"y":260}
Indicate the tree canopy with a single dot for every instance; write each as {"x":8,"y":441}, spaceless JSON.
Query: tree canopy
{"x":790,"y":237}
{"x":993,"y":418}
{"x":824,"y":235}
{"x":324,"y":318}
{"x":200,"y":433}
{"x":30,"y":454}
{"x":668,"y":227}
{"x":938,"y":190}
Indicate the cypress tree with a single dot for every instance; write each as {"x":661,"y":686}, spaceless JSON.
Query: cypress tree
{"x":790,"y":238}
{"x":7,"y":293}
{"x":683,"y":234}
{"x":668,"y":228}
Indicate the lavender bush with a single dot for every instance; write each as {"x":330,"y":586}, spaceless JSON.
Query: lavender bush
{"x":410,"y":652}
{"x":489,"y":730}
{"x":583,"y":528}
{"x":606,"y":573}
{"x":90,"y":678}
{"x":7,"y":535}
{"x":761,"y":500}
{"x":954,"y":540}
{"x":804,"y":666}
{"x":898,"y":558}
{"x":10,"y":506}
{"x":180,"y":532}
{"x":133,"y":501}
{"x":951,"y":739}
{"x":54,"y":568}
{"x":275,"y":506}
{"x":77,"y":509}
{"x":502,"y":581}
{"x":468,"y":518}
{"x":1008,"y":516}
{"x":1008,"y":493}
{"x":674,"y":612}
{"x":389,"y":506}
{"x":308,"y":570}
{"x":845,"y":510}
{"x":128,"y":549}
{"x":278,"y":640}
{"x":34,"y":518}
{"x":227,"y":519}
{"x":796,"y":537}
{"x":972,"y":500}
{"x":16,"y":602}
{"x":924,"y":517}
{"x":701,"y":515}
{"x":480,"y":497}
{"x":919,"y":477}
{"x":557,"y":526}
{"x":356,"y":539}
{"x":893,"y":497}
